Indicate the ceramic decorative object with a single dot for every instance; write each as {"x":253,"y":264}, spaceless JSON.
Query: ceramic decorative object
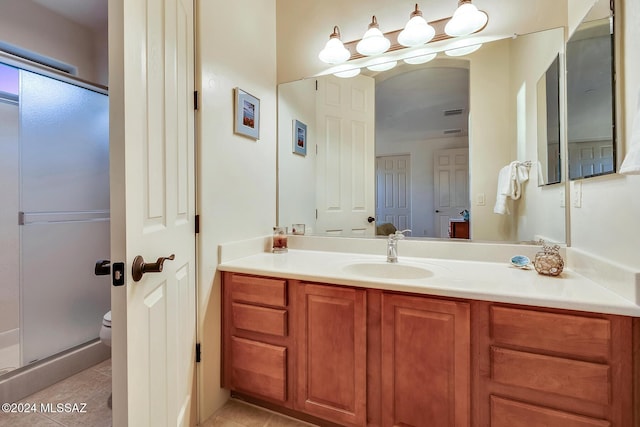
{"x":520,"y":261}
{"x":548,"y":261}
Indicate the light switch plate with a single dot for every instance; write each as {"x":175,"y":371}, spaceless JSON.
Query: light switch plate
{"x":576,"y":194}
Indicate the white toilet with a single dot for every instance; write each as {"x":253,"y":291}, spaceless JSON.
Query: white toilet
{"x":105,"y":331}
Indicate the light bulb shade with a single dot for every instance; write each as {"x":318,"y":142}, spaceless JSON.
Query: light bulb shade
{"x":420,"y":59}
{"x":382,"y":64}
{"x":467,"y":19}
{"x":417,"y":31}
{"x":461,"y":51}
{"x":334,"y":51}
{"x":373,"y":42}
{"x":347,"y":73}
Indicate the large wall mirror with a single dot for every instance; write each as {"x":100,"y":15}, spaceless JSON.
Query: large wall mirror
{"x":474,"y":114}
{"x":591,"y":95}
{"x":420,"y":145}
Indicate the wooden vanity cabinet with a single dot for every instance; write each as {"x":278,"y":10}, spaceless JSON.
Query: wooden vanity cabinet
{"x":257,"y":337}
{"x":544,"y":367}
{"x":355,"y":357}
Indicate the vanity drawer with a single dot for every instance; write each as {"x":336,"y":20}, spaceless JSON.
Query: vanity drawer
{"x":579,"y":336}
{"x":258,"y":290}
{"x":509,"y":413}
{"x":572,"y":378}
{"x":259,"y":368}
{"x":259,"y":319}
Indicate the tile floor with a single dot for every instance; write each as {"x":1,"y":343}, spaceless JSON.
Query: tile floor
{"x":93,"y":387}
{"x":240,"y":414}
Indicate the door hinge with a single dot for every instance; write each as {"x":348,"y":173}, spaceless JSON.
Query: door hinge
{"x":316,"y":84}
{"x":197,"y":224}
{"x":316,"y":213}
{"x":197,"y":352}
{"x":195,"y":100}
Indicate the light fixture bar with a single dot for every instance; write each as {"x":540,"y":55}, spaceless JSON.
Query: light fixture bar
{"x":393,"y":38}
{"x":438,"y":25}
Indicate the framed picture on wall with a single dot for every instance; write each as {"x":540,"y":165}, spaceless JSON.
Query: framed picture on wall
{"x":247,"y":114}
{"x":299,"y":138}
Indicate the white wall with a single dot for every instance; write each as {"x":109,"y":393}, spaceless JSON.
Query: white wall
{"x":36,"y":28}
{"x":236,"y":175}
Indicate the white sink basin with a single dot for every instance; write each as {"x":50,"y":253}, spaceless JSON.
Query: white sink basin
{"x":386,"y":270}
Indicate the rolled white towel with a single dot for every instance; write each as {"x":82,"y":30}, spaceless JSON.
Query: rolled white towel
{"x":510,"y":180}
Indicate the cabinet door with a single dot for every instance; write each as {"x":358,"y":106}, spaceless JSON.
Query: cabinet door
{"x":425,"y":362}
{"x":331,"y":381}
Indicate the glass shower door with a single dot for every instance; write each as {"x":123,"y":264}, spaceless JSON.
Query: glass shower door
{"x":64,"y":218}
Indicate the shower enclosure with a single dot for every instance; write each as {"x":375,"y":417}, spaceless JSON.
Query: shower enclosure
{"x":54,"y":213}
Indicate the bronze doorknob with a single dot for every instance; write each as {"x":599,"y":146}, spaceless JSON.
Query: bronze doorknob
{"x":139,"y":267}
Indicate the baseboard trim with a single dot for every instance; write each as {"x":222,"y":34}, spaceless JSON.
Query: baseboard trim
{"x":30,"y":379}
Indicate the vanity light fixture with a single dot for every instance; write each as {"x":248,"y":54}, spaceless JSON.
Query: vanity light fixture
{"x":417,"y":31}
{"x":411,"y":44}
{"x":373,"y":42}
{"x":334,"y":51}
{"x":461,"y":51}
{"x":467,"y":19}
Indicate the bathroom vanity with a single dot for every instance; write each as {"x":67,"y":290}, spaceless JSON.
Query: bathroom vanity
{"x":302,"y":336}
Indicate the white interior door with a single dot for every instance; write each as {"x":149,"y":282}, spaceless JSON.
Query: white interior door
{"x":450,"y":187}
{"x":590,"y":158}
{"x":345,"y":110}
{"x":393,"y":187}
{"x":153,"y":210}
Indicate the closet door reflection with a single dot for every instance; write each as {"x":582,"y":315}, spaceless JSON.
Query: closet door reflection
{"x":64,"y":171}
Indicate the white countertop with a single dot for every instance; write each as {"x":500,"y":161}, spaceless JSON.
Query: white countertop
{"x":489,"y":281}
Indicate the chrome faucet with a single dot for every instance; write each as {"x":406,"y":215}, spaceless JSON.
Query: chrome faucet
{"x":392,"y":245}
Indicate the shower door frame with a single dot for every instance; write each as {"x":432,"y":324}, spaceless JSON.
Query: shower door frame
{"x":48,"y":72}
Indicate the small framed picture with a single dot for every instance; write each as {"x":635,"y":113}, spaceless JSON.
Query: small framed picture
{"x":247,"y":114}
{"x":299,"y":138}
